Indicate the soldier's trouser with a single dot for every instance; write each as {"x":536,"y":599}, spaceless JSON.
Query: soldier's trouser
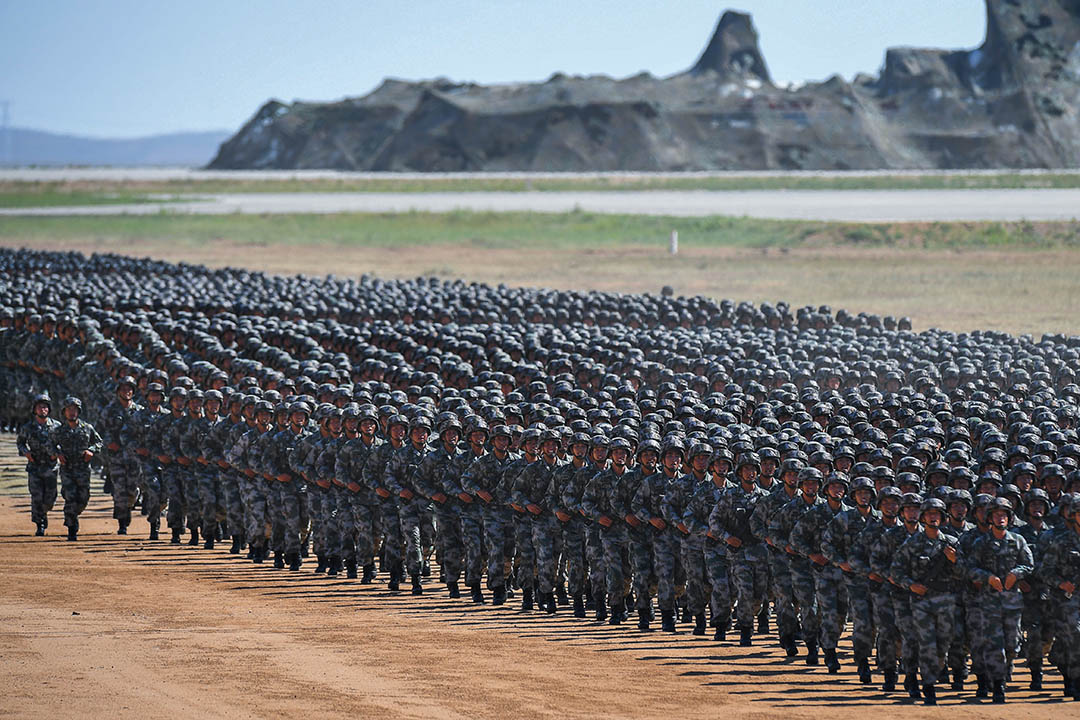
{"x":339,"y":523}
{"x":905,"y":628}
{"x":234,"y":504}
{"x":331,"y":532}
{"x":495,"y":521}
{"x":316,"y":499}
{"x":75,"y":487}
{"x":42,"y":488}
{"x":616,"y":562}
{"x":787,"y":620}
{"x":125,"y":487}
{"x":173,"y":485}
{"x":450,"y":542}
{"x":393,"y":540}
{"x":428,"y":530}
{"x":804,"y":590}
{"x":750,"y":575}
{"x":192,"y":502}
{"x":574,"y":551}
{"x":832,"y":605}
{"x":718,"y":571}
{"x":885,"y":619}
{"x":860,"y":604}
{"x":546,"y":540}
{"x":472,"y":538}
{"x":594,"y":555}
{"x":365,"y":523}
{"x":641,"y":562}
{"x":933,"y":618}
{"x":1069,"y":630}
{"x":263,"y":508}
{"x":666,"y":566}
{"x":958,"y":648}
{"x":248,"y":487}
{"x":410,"y":514}
{"x":1001,"y":613}
{"x":293,"y":512}
{"x":524,"y":552}
{"x":692,"y":554}
{"x":976,"y":643}
{"x":150,"y":481}
{"x":1035,"y":626}
{"x":212,"y":498}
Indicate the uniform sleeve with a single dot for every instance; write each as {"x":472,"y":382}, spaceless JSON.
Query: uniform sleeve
{"x":1024,"y":563}
{"x":832,"y":539}
{"x":802,"y":535}
{"x":94,"y":440}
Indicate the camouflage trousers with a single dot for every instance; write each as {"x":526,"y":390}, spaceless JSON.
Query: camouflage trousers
{"x":933,"y":617}
{"x":749,"y":567}
{"x":524,"y":562}
{"x":211,"y":499}
{"x":173,"y":486}
{"x":150,"y":482}
{"x":906,"y":630}
{"x":804,"y":591}
{"x":75,"y":488}
{"x":718,"y":573}
{"x":668,"y":569}
{"x":888,"y":636}
{"x":547,"y":545}
{"x":317,"y":498}
{"x":958,"y":648}
{"x":1068,"y":629}
{"x":1037,"y":629}
{"x":594,"y":556}
{"x":291,"y":523}
{"x":692,"y":555}
{"x":497,"y":523}
{"x":365,"y":531}
{"x":641,"y":563}
{"x":614,"y":542}
{"x":787,"y":620}
{"x":1001,"y":613}
{"x":125,"y":487}
{"x":573,"y":533}
{"x":192,"y":501}
{"x":410,"y":518}
{"x":451,"y":545}
{"x":339,"y":522}
{"x":861,"y":610}
{"x":472,"y":538}
{"x":832,"y":604}
{"x":42,"y":486}
{"x":975,"y":643}
{"x":260,"y":508}
{"x":429,"y":532}
{"x":393,"y":542}
{"x":234,"y":504}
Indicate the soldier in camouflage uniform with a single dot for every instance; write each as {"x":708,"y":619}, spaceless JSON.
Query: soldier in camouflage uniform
{"x":765,"y":511}
{"x":141,"y":434}
{"x":973,"y":598}
{"x":596,"y":504}
{"x":674,"y":506}
{"x":882,"y":555}
{"x":339,"y":516}
{"x":1059,"y":570}
{"x":226,"y":490}
{"x":121,"y":460}
{"x":649,"y":507}
{"x":881,"y":591}
{"x":400,"y":480}
{"x":241,"y":454}
{"x":374,"y":475}
{"x":1036,"y":506}
{"x":928,"y":564}
{"x":35,"y":443}
{"x":361,"y":523}
{"x":533,"y":492}
{"x":640,"y":534}
{"x":76,"y":443}
{"x":430,"y":482}
{"x":483,"y":481}
{"x":168,"y":430}
{"x":524,"y":562}
{"x":999,"y":561}
{"x":281,"y":462}
{"x":201,"y":424}
{"x":304,"y":462}
{"x":468,"y":510}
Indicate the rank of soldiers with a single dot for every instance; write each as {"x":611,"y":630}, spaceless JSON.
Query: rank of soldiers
{"x":751,"y":469}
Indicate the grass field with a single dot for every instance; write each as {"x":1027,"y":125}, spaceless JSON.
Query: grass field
{"x":1019,"y":277}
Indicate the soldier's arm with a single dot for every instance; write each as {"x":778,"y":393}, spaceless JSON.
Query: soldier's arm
{"x":21,"y":441}
{"x":900,"y":568}
{"x":1025,"y":563}
{"x":832,"y":545}
{"x":95,"y":441}
{"x":802,"y":535}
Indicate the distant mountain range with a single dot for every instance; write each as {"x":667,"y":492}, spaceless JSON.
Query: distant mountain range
{"x":34,"y":147}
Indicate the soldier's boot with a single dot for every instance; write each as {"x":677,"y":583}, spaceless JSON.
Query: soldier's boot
{"x":322,"y":565}
{"x":243,"y":540}
{"x":498,"y":595}
{"x":40,"y":529}
{"x":552,"y":604}
{"x":304,"y":544}
{"x":601,"y":607}
{"x":579,"y":606}
{"x":667,"y":621}
{"x":426,"y":568}
{"x":256,"y":554}
{"x":958,"y":678}
{"x":335,"y":566}
{"x":831,"y":661}
{"x":106,"y":487}
{"x":865,"y":676}
{"x":1036,"y":674}
{"x":811,"y":654}
{"x":721,"y":633}
{"x":526,"y":599}
{"x":417,"y":587}
{"x":1074,"y":688}
{"x":251,"y":552}
{"x":791,"y":649}
{"x":176,"y":532}
{"x":618,"y":614}
{"x":294,"y":561}
{"x":121,"y":527}
{"x":279,"y":560}
{"x":999,"y":692}
{"x":477,"y":593}
{"x":153,"y":532}
{"x":235,"y":549}
{"x":929,"y":695}
{"x":746,"y":636}
{"x":350,"y":568}
{"x":73,"y":533}
{"x":369,"y":573}
{"x":194,"y":540}
{"x":911,"y":684}
{"x":208,"y":541}
{"x":560,"y":593}
{"x":982,"y":688}
{"x":643,"y":620}
{"x":763,"y":621}
{"x":699,"y":624}
{"x":393,"y":584}
{"x":889,"y":685}
{"x":686,"y":616}
{"x":454,"y":590}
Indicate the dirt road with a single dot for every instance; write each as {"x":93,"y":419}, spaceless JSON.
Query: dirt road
{"x":121,"y":627}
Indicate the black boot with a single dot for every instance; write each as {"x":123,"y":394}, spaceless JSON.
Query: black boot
{"x":279,"y":560}
{"x":579,"y":606}
{"x":618,"y":614}
{"x":393,"y":584}
{"x":304,"y":552}
{"x":721,"y":633}
{"x":153,"y":532}
{"x":208,"y":541}
{"x":911,"y":684}
{"x":294,"y":561}
{"x":333,"y":566}
{"x":811,"y":654}
{"x":40,"y":529}
{"x":746,"y":637}
{"x":788,"y":643}
{"x":831,"y":661}
{"x":453,"y":589}
{"x":121,"y":527}
{"x":477,"y":593}
{"x":235,"y":549}
{"x":667,"y":621}
{"x":417,"y":588}
{"x":194,"y":540}
{"x":958,"y":678}
{"x":176,"y":532}
{"x":999,"y":692}
{"x":699,"y":624}
{"x":643,"y":620}
{"x":498,"y":595}
{"x":243,"y":541}
{"x":526,"y":599}
{"x":560,"y":594}
{"x":763,"y":621}
{"x":930,"y":695}
{"x":369,"y":574}
{"x":73,"y":533}
{"x":1036,"y":674}
{"x":321,"y":566}
{"x":890,"y":681}
{"x":865,"y":676}
{"x":426,"y":569}
{"x":258,"y":553}
{"x":601,"y":607}
{"x":351,"y":569}
{"x":982,"y":687}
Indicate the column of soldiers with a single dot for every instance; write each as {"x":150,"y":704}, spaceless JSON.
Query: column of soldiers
{"x":740,"y":468}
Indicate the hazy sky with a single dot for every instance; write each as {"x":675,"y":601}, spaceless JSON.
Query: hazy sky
{"x":118,"y":68}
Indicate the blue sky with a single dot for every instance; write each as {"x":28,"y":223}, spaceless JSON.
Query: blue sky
{"x":120,"y":68}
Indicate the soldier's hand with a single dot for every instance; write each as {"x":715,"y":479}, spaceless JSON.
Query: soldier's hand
{"x":113,"y":447}
{"x":517,"y":507}
{"x":439,"y":498}
{"x":465,"y":497}
{"x":846,"y":567}
{"x":1010,"y":581}
{"x":876,"y":578}
{"x":249,"y":472}
{"x":733,"y":541}
{"x":534,"y":509}
{"x":29,"y":456}
{"x":354,"y":487}
{"x":632,"y":520}
{"x":143,"y":452}
{"x":284,"y":477}
{"x":1068,"y":587}
{"x":918,"y":588}
{"x":819,"y":559}
{"x":223,"y":465}
{"x":382,"y":492}
{"x":62,"y":459}
{"x":484,"y":495}
{"x":950,"y":553}
{"x":87,"y":455}
{"x":789,"y":550}
{"x":406,"y":493}
{"x":683,"y":529}
{"x":658,"y":523}
{"x":995,"y":582}
{"x":563,"y":517}
{"x":604,"y":520}
{"x":1024,"y":587}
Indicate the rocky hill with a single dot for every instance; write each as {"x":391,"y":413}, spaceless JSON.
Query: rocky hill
{"x":1012,"y":102}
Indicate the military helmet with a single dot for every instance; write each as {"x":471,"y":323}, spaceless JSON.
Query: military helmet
{"x":71,"y":401}
{"x":932,"y":504}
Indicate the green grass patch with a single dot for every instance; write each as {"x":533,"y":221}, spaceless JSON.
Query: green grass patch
{"x":26,"y":195}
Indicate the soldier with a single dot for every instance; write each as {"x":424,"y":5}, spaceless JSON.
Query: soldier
{"x":640,"y":534}
{"x":779,"y":570}
{"x":142,"y":432}
{"x":317,"y":488}
{"x":241,"y":454}
{"x":338,"y":510}
{"x":281,"y":462}
{"x":209,"y":491}
{"x":430,"y":481}
{"x":649,"y":507}
{"x":470,"y":516}
{"x":121,"y":459}
{"x":76,"y":443}
{"x":677,"y":506}
{"x":483,"y":481}
{"x":374,"y":474}
{"x":220,"y":483}
{"x":1035,"y":621}
{"x":1059,"y":569}
{"x":882,"y":555}
{"x":881,"y":591}
{"x":596,"y":505}
{"x":999,"y":561}
{"x":400,"y":480}
{"x":168,"y":430}
{"x":533,"y":493}
{"x":927,"y":565}
{"x":524,"y":554}
{"x":359,"y":538}
{"x":35,"y":443}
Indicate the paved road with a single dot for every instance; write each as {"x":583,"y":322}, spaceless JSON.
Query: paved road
{"x":841,"y":205}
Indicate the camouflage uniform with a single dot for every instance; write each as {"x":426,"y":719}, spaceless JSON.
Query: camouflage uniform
{"x":213,"y":447}
{"x":174,"y":481}
{"x":779,"y":570}
{"x":881,"y":559}
{"x":360,"y":523}
{"x":1000,"y":610}
{"x":639,"y":539}
{"x":291,"y":493}
{"x":123,"y":463}
{"x":596,"y":502}
{"x":70,"y":443}
{"x":304,"y":462}
{"x":532,"y":488}
{"x":469,"y":516}
{"x":571,"y":481}
{"x":429,"y":482}
{"x":881,"y":592}
{"x":401,"y":469}
{"x":141,"y":434}
{"x":1036,"y":594}
{"x":210,"y":492}
{"x":241,"y":457}
{"x":374,"y":478}
{"x":972,"y":601}
{"x":674,"y":506}
{"x":37,"y":439}
{"x":486,"y":474}
{"x":1061,"y":563}
{"x":838,"y":543}
{"x":749,"y":561}
{"x":802,"y":576}
{"x":831,"y":599}
{"x":648,"y":504}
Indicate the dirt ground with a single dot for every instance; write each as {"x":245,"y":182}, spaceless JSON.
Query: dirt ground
{"x":121,"y":627}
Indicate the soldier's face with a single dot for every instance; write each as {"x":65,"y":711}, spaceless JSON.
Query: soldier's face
{"x":768,"y":467}
{"x":999,"y":519}
{"x":790,"y":478}
{"x":501,"y":443}
{"x":1036,"y":509}
{"x":648,"y":460}
{"x":125,"y":393}
{"x":619,"y":456}
{"x":367,"y":427}
{"x":41,"y":410}
{"x":835,"y":491}
{"x":154,"y":399}
{"x":748,"y":474}
{"x":932,"y":518}
{"x":212,"y":407}
{"x":890,"y":506}
{"x":809,"y":488}
{"x":911,"y":513}
{"x":862,"y":498}
{"x":71,"y":413}
{"x":599,"y":455}
{"x":958,"y":510}
{"x":672,"y":461}
{"x":530,"y":445}
{"x":579,"y":450}
{"x":450,"y":437}
{"x":263,"y":417}
{"x":397,"y":432}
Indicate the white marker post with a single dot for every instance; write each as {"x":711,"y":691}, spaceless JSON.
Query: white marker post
{"x":673,"y":243}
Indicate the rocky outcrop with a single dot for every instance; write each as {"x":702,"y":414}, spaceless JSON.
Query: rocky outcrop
{"x":1012,"y":102}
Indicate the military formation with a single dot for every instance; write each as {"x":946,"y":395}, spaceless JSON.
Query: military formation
{"x":757,"y":471}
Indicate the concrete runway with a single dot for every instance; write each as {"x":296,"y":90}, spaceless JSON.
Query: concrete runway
{"x":838,"y":205}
